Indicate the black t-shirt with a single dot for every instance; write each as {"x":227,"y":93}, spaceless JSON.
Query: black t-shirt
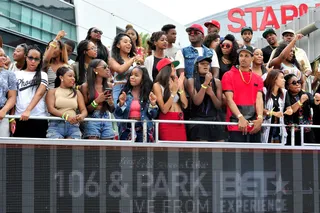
{"x":154,"y":68}
{"x":223,"y":68}
{"x":267,"y":50}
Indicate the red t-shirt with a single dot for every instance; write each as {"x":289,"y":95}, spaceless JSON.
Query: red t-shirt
{"x":244,"y":95}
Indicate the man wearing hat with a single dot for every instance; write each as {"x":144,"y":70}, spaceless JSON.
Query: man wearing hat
{"x":213,"y":26}
{"x":243,"y":91}
{"x":187,"y":55}
{"x":270,"y":35}
{"x":246,"y":34}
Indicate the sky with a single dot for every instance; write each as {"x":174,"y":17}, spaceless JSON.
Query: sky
{"x":174,"y":8}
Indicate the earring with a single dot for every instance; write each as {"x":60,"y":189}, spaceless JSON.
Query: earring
{"x":96,"y":73}
{"x":61,"y":79}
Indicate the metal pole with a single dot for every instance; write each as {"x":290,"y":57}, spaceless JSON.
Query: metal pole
{"x":157,"y":132}
{"x":133,"y":126}
{"x":145,"y":134}
{"x":302,"y":135}
{"x":292,"y":135}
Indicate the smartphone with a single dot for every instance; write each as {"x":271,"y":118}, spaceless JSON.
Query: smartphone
{"x":108,"y":90}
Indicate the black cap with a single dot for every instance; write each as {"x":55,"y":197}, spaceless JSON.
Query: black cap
{"x":267,"y":31}
{"x":248,"y":49}
{"x":203,"y":58}
{"x":246,"y":29}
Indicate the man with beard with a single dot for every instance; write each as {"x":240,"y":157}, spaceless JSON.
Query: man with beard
{"x":246,"y":34}
{"x":213,"y":26}
{"x":171,"y":34}
{"x":271,"y":37}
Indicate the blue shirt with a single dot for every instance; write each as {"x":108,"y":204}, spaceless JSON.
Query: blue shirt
{"x":8,"y":82}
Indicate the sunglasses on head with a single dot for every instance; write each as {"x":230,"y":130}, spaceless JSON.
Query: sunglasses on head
{"x":30,"y":58}
{"x":296,"y":82}
{"x":97,"y":31}
{"x":227,"y":46}
{"x":194,"y":32}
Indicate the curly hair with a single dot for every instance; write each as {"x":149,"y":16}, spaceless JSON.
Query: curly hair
{"x":116,"y":51}
{"x":210,"y":38}
{"x":155,"y":37}
{"x":233,"y":54}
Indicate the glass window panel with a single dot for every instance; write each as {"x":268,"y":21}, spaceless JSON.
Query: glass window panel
{"x":35,"y":33}
{"x":47,"y":36}
{"x":4,"y":22}
{"x":26,"y":15}
{"x":56,"y":26}
{"x":73,"y":35}
{"x":5,"y":8}
{"x":67,"y":28}
{"x":15,"y":11}
{"x":36,"y":19}
{"x":25,"y":29}
{"x":46,"y":22}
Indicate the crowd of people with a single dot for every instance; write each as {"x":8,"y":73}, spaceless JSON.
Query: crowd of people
{"x":213,"y":79}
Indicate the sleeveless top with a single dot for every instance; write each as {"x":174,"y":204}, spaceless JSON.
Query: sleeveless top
{"x":135,"y":109}
{"x":291,"y":70}
{"x":65,"y":102}
{"x":51,"y":78}
{"x":176,"y":97}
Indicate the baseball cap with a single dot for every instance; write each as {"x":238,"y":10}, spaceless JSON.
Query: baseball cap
{"x":203,"y":58}
{"x":166,"y":61}
{"x":195,"y":27}
{"x":246,"y":29}
{"x":288,"y":31}
{"x":267,"y":31}
{"x":248,"y":49}
{"x":214,"y":22}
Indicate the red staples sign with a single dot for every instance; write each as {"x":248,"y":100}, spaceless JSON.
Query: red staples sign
{"x":269,"y":18}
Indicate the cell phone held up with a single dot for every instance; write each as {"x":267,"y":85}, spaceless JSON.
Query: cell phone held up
{"x":107,"y":91}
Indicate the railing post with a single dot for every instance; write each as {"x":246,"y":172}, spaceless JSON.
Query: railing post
{"x":292,"y":135}
{"x":157,"y":132}
{"x":302,"y":135}
{"x":145,"y":133}
{"x":133,"y":131}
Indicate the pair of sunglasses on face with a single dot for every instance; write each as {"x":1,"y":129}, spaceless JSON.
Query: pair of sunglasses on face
{"x":226,"y":46}
{"x":30,"y":58}
{"x":296,"y":82}
{"x":97,"y":31}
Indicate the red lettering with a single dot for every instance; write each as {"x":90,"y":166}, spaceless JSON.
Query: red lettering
{"x":254,"y":11}
{"x":236,"y":20}
{"x":265,"y":19}
{"x":284,"y":16}
{"x":303,"y":9}
{"x":318,"y":5}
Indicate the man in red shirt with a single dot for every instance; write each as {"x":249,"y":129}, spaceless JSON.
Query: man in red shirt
{"x":243,"y":91}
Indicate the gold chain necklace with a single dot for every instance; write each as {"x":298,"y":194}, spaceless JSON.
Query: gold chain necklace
{"x":243,"y":77}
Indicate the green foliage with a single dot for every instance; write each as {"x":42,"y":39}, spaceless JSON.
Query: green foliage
{"x":144,"y":38}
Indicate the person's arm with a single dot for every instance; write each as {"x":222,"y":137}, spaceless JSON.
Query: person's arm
{"x":259,"y":110}
{"x":164,"y":107}
{"x":81,"y":107}
{"x":52,"y":46}
{"x":276,"y":62}
{"x":50,"y":100}
{"x":11,"y":101}
{"x":216,"y":98}
{"x":116,"y":67}
{"x":181,"y":92}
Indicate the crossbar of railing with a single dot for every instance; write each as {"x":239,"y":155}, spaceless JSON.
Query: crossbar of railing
{"x":157,"y":122}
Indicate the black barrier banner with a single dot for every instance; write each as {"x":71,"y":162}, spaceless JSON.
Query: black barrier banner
{"x":54,"y":179}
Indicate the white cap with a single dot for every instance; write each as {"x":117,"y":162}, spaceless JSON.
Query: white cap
{"x":288,"y":31}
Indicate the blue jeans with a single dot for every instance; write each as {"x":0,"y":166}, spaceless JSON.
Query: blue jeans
{"x":63,"y":129}
{"x":102,"y":130}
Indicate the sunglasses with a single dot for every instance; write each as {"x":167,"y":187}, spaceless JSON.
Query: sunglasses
{"x":30,"y":58}
{"x":296,"y":82}
{"x":104,"y":66}
{"x":194,"y":32}
{"x":97,"y":31}
{"x":226,"y":46}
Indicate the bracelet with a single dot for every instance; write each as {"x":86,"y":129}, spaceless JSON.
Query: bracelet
{"x":300,"y":104}
{"x":12,"y":119}
{"x":151,"y":106}
{"x":53,"y":45}
{"x":260,"y":117}
{"x":94,"y":104}
{"x":180,"y":92}
{"x":63,"y":115}
{"x":239,"y":116}
{"x":77,"y":87}
{"x":203,"y":86}
{"x":67,"y":116}
{"x":172,"y":95}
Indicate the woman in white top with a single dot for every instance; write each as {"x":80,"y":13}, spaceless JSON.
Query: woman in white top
{"x":285,"y":60}
{"x":158,"y":43}
{"x":32,"y":87}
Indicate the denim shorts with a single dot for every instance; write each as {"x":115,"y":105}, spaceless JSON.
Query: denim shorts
{"x":63,"y":129}
{"x":102,"y":130}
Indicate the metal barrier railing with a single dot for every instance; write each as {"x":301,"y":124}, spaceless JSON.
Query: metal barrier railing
{"x":157,"y":122}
